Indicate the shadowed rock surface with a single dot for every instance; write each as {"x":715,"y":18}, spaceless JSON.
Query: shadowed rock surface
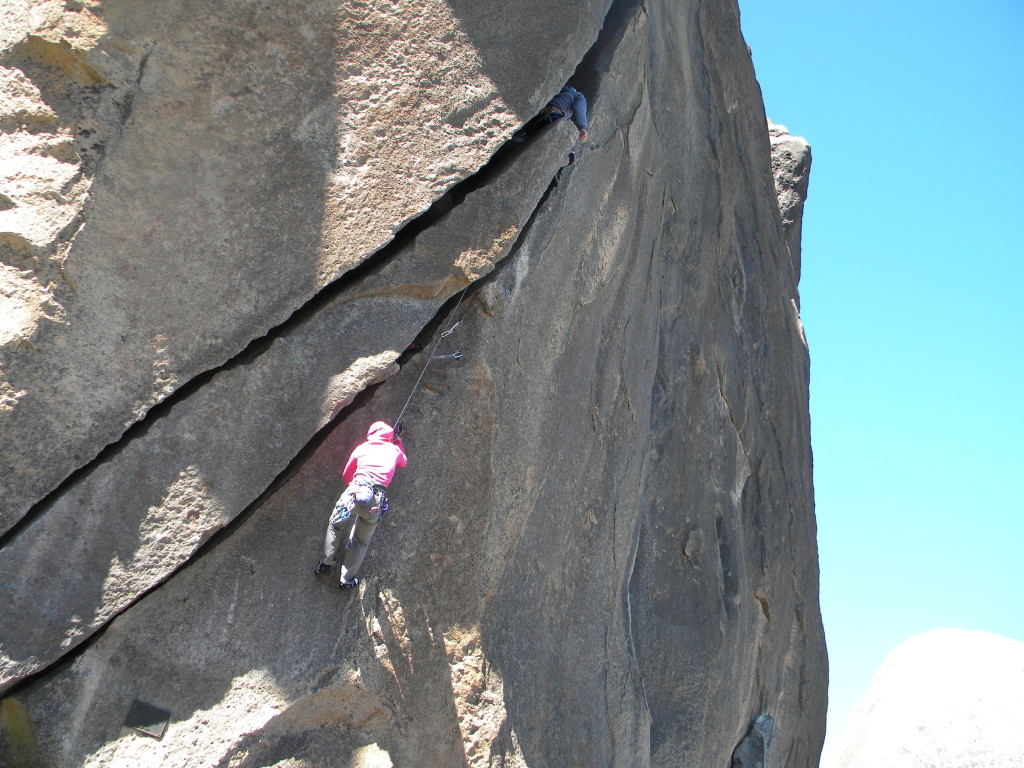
{"x":607,"y":520}
{"x":948,"y":698}
{"x":754,"y":750}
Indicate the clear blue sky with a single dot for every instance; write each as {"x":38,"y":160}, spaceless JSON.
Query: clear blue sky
{"x":913,"y":303}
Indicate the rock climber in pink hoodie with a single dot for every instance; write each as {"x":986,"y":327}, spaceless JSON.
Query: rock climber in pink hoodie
{"x":368,"y":473}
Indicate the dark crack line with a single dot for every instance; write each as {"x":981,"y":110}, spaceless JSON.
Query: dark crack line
{"x":373,"y":264}
{"x":596,"y":61}
{"x":360,"y":401}
{"x":257,"y":346}
{"x":590,"y":70}
{"x":732,"y":418}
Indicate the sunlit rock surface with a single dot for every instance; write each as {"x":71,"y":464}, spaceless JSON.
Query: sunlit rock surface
{"x":791,"y":165}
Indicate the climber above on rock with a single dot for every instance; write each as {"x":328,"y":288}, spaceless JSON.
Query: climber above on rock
{"x":571,"y":105}
{"x":368,"y":473}
{"x":568,"y":104}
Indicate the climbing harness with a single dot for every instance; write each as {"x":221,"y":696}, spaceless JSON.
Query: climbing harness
{"x":434,"y":356}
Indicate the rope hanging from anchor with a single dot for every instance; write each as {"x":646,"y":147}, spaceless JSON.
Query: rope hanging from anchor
{"x":434,"y":356}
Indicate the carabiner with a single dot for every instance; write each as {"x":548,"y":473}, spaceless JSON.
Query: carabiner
{"x":452,"y":330}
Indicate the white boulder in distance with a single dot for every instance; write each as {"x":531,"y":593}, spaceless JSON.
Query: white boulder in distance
{"x":948,"y":698}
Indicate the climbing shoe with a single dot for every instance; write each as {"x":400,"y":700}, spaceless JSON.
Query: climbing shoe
{"x":348,"y":584}
{"x":322,"y":568}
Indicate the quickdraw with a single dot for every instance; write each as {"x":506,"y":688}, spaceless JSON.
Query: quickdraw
{"x":434,"y":356}
{"x":455,"y":327}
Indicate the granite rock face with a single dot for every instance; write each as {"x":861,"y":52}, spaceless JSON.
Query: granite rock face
{"x":946,"y":699}
{"x":210,"y":453}
{"x":185,"y":177}
{"x":791,"y":166}
{"x":607,"y":520}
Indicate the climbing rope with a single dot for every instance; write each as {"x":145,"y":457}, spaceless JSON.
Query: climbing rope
{"x":434,"y":356}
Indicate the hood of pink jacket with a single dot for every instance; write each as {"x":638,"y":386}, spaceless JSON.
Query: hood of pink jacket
{"x":380,"y":432}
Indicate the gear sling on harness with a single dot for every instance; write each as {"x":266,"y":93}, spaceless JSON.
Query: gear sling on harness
{"x":373,"y":496}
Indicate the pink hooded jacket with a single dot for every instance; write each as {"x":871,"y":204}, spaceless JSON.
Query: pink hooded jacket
{"x":376,"y":460}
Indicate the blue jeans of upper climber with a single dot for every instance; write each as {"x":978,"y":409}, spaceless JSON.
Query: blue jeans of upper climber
{"x":535,"y":123}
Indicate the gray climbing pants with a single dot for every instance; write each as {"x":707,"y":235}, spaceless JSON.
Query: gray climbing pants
{"x":357,"y":511}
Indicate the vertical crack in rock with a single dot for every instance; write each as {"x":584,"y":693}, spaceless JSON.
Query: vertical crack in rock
{"x":595,"y":64}
{"x":740,"y":437}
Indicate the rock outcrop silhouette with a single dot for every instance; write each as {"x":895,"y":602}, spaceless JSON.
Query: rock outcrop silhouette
{"x":232,"y":228}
